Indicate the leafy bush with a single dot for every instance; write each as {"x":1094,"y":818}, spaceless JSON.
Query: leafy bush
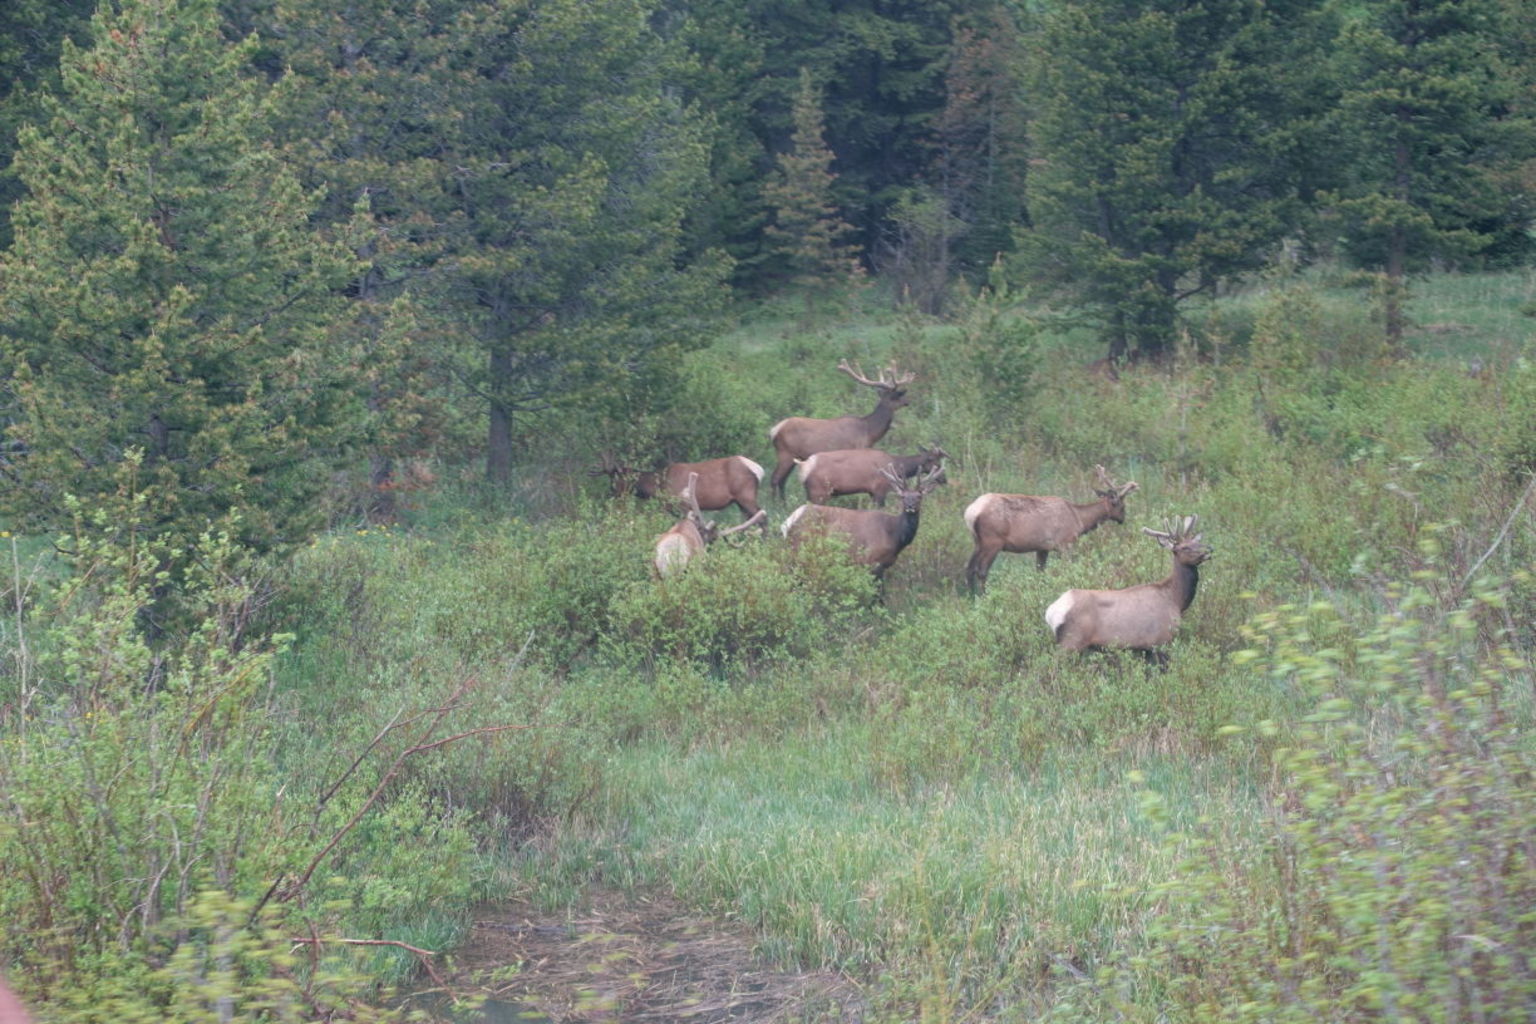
{"x":740,"y":609}
{"x":1396,"y":879}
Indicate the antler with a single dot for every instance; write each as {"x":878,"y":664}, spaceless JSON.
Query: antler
{"x":930,"y":480}
{"x":1178,"y":532}
{"x":934,"y":477}
{"x":1107,"y":483}
{"x":890,"y":377}
{"x":690,"y":495}
{"x":757,"y":517}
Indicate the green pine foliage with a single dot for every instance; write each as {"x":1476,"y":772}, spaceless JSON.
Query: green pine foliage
{"x":167,"y":293}
{"x":1431,"y":124}
{"x":807,"y":239}
{"x":1170,"y":141}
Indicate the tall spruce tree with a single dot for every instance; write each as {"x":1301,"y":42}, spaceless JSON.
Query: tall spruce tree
{"x":31,"y":33}
{"x":1166,"y":142}
{"x":368,"y":117}
{"x":166,"y":291}
{"x":1428,"y":121}
{"x":808,"y":241}
{"x":572,"y":170}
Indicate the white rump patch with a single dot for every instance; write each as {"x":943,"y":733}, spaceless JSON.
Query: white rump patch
{"x":773,"y":431}
{"x":804,"y":465}
{"x":974,"y":509}
{"x":1056,"y":614}
{"x":757,"y":470}
{"x":794,"y":517}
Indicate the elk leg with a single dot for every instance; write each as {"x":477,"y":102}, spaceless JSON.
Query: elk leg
{"x":781,"y":473}
{"x":979,"y":566}
{"x":1040,"y":557}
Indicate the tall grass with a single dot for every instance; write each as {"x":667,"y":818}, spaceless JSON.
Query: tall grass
{"x":897,"y":780}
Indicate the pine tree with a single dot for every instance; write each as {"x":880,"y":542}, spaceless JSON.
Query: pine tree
{"x":166,"y":291}
{"x":1427,"y":123}
{"x":573,"y":167}
{"x":806,"y":237}
{"x":1167,"y":138}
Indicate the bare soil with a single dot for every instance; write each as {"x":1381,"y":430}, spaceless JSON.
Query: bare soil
{"x":623,"y":957}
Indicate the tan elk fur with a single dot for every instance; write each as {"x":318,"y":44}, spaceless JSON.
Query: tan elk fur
{"x":859,"y":471}
{"x":690,"y":535}
{"x":800,"y":437}
{"x":874,"y":538}
{"x":731,"y":480}
{"x":1021,"y":523}
{"x":1140,"y":618}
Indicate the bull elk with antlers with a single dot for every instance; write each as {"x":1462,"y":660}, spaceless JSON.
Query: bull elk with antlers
{"x":1141,"y":618}
{"x":720,"y":483}
{"x":862,"y":471}
{"x":874,"y":538}
{"x":800,"y":437}
{"x":1023,"y":522}
{"x":690,"y":535}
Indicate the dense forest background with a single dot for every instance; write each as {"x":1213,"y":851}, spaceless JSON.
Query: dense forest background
{"x":317,"y":321}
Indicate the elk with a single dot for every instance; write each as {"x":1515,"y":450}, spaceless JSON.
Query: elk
{"x":1140,"y":618}
{"x":690,"y":535}
{"x":861,"y":471}
{"x":1023,"y":522}
{"x":800,"y":437}
{"x":874,"y":538}
{"x":723,"y":482}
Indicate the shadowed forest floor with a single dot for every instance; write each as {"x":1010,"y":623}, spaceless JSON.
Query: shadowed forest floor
{"x":623,"y":957}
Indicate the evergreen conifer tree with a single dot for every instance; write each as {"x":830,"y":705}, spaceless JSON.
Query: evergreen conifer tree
{"x":1427,"y":122}
{"x":807,"y":238}
{"x":166,"y":291}
{"x":1167,"y":139}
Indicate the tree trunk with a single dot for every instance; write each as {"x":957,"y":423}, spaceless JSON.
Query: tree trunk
{"x":498,"y":441}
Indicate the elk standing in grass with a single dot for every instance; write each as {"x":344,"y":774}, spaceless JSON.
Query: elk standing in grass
{"x":688,"y":538}
{"x":861,"y":471}
{"x":874,"y":538}
{"x":800,"y":437}
{"x":1141,"y":618}
{"x":1023,"y":522}
{"x":723,"y":482}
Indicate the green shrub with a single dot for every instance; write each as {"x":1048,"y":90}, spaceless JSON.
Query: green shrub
{"x":740,"y":609}
{"x":1395,"y":881}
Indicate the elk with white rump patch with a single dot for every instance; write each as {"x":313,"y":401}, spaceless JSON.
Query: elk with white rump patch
{"x":861,"y":471}
{"x":688,"y":538}
{"x":874,"y":538}
{"x":800,"y":437}
{"x":731,"y":480}
{"x":1023,"y":522}
{"x":1141,"y":618}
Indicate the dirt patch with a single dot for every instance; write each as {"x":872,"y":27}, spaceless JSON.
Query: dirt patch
{"x":623,"y":957}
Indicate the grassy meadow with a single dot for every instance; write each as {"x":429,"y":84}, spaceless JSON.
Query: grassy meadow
{"x":1320,"y":811}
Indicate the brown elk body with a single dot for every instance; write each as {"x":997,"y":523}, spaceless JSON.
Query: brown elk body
{"x":800,"y":437}
{"x":860,"y":471}
{"x":874,"y":537}
{"x":1141,"y":618}
{"x":690,"y":535}
{"x":1023,"y":522}
{"x":722,"y":482}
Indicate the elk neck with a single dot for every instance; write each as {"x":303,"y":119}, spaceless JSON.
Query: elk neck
{"x":1183,"y":581}
{"x":879,"y":421}
{"x":906,"y":527}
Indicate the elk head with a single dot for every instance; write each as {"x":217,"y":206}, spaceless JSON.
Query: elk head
{"x":1114,"y":494}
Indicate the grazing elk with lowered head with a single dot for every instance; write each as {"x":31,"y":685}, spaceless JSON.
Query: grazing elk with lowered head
{"x":861,"y":471}
{"x":731,"y":480}
{"x":1023,"y":522}
{"x":1141,"y":618}
{"x":874,"y":538}
{"x":690,"y":535}
{"x":800,"y":437}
